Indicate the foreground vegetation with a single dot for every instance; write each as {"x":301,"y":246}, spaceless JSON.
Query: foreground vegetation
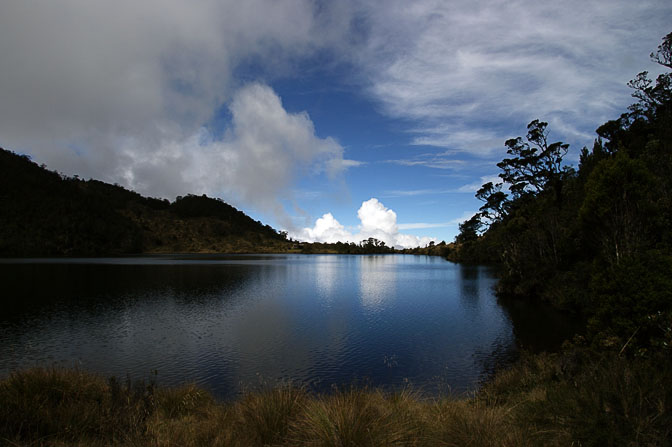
{"x":573,"y":398}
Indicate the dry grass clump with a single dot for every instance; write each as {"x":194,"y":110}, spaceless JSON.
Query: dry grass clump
{"x":359,"y":417}
{"x":473,"y":423}
{"x":266,"y":417}
{"x":188,"y":416}
{"x":578,"y":399}
{"x":49,"y":406}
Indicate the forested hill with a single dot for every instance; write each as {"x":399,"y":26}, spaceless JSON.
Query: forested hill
{"x":44,"y":213}
{"x":597,"y":238}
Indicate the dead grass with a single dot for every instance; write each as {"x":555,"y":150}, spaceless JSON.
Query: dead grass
{"x":544,"y":400}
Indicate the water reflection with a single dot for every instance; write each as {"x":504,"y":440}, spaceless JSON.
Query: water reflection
{"x":326,"y":275}
{"x":224,"y":321}
{"x":377,"y":280}
{"x":470,"y":289}
{"x":537,"y":326}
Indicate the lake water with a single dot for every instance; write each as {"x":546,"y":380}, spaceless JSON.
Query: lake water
{"x":231,"y":323}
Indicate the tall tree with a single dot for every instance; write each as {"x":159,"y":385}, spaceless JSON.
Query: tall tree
{"x":535,"y":163}
{"x":653,"y":96}
{"x":469,"y":229}
{"x":495,"y":201}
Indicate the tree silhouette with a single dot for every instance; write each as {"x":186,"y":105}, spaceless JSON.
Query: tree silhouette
{"x":534,"y":164}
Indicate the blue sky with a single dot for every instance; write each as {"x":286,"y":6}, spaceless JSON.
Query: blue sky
{"x":332,"y":120}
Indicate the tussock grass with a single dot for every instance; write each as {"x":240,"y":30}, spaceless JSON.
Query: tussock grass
{"x":576,"y":398}
{"x":358,"y":417}
{"x":265,"y":417}
{"x":473,"y":423}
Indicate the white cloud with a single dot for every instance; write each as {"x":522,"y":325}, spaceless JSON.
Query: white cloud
{"x":480,"y":142}
{"x":376,"y":218}
{"x":255,"y":162}
{"x":437,"y":161}
{"x":126,"y":91}
{"x":337,"y":165}
{"x":376,"y":221}
{"x":416,"y":192}
{"x":473,"y":187}
{"x":123,"y":91}
{"x":326,"y":229}
{"x":88,"y":74}
{"x":463,"y":71}
{"x":424,"y":225}
{"x":464,"y":217}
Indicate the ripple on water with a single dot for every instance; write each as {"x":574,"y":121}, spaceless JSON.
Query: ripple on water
{"x":225,"y":321}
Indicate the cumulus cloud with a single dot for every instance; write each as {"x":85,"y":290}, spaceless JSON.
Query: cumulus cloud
{"x":376,"y":221}
{"x":326,"y":229}
{"x":255,"y":162}
{"x":376,"y":218}
{"x":126,"y":91}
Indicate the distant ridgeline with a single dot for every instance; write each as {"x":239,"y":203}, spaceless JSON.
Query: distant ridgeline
{"x":44,"y":213}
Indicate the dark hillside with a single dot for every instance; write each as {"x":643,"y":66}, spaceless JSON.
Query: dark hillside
{"x":47,"y":214}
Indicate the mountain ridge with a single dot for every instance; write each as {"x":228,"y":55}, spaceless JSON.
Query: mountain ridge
{"x":45,"y":213}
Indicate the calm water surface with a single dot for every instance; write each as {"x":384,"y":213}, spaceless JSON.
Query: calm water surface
{"x":230,"y":323}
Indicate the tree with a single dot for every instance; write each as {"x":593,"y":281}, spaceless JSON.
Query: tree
{"x":373,"y":245}
{"x":618,"y":209}
{"x":495,"y":200}
{"x":535,"y":164}
{"x":469,"y":229}
{"x":654,"y":96}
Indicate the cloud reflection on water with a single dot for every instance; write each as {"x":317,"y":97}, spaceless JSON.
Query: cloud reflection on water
{"x":377,"y":281}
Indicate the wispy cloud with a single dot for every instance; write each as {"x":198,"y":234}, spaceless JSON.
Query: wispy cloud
{"x":473,"y":187}
{"x":465,"y":70}
{"x":342,"y":163}
{"x":436,"y":161}
{"x":469,"y":188}
{"x":416,"y":192}
{"x":423,"y":225}
{"x":465,"y":216}
{"x":479,"y":142}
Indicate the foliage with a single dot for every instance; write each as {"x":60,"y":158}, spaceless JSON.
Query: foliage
{"x":493,"y":209}
{"x":625,"y":297}
{"x":367,"y":246}
{"x":582,"y":397}
{"x":534,"y":164}
{"x":47,"y":214}
{"x":597,"y":240}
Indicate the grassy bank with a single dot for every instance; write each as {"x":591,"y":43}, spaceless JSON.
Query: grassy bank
{"x":576,"y":398}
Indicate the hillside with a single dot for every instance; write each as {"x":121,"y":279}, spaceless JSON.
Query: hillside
{"x":47,"y":214}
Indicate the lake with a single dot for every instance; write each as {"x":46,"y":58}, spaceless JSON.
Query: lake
{"x":236,"y":322}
